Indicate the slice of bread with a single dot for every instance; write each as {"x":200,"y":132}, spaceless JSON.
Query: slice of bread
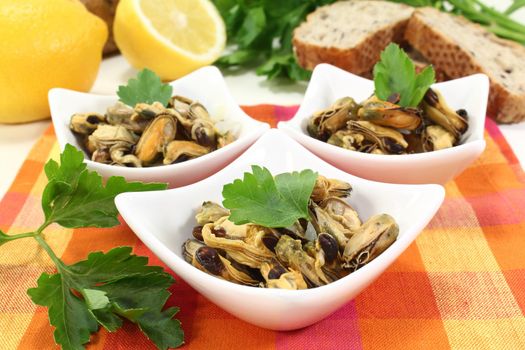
{"x":458,"y":47}
{"x":350,"y":34}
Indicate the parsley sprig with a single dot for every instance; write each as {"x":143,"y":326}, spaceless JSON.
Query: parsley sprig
{"x":107,"y":287}
{"x":261,"y":33}
{"x":146,"y":88}
{"x":395,"y":73}
{"x":269,"y":201}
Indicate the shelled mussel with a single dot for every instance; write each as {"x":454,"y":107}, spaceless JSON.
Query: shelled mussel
{"x":333,"y":243}
{"x":383,"y":127}
{"x":149,"y":134}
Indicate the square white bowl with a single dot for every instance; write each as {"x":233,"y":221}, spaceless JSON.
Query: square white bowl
{"x":205,"y":85}
{"x":164,"y":220}
{"x":329,"y":83}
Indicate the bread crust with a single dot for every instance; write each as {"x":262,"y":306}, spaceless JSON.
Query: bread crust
{"x":448,"y":56}
{"x":358,"y":60}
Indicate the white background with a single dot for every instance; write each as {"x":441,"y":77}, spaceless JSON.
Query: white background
{"x":247,"y":88}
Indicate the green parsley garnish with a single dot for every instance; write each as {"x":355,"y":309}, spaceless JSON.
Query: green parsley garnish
{"x":395,"y":73}
{"x":107,"y":287}
{"x":261,"y":35}
{"x":146,"y":88}
{"x":269,"y":201}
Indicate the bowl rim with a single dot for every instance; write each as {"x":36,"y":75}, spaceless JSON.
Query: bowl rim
{"x":254,"y":132}
{"x":293,"y":125}
{"x":161,"y":250}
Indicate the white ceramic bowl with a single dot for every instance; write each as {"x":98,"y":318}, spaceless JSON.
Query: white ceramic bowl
{"x":205,"y":85}
{"x":164,"y":220}
{"x":329,"y":83}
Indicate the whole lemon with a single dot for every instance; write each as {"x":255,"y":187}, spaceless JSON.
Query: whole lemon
{"x":45,"y":44}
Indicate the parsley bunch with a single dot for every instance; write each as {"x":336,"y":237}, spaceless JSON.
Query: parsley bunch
{"x":261,"y":31}
{"x":107,"y":287}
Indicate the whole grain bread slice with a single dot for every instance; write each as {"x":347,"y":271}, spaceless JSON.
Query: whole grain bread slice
{"x":458,"y":47}
{"x":350,"y":34}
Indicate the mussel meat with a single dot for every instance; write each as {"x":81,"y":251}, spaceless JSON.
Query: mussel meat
{"x":389,"y":114}
{"x":86,"y":123}
{"x":389,"y":141}
{"x":327,"y":121}
{"x":157,"y":135}
{"x":435,"y":137}
{"x":439,"y":112}
{"x":374,"y":237}
{"x":183,"y":150}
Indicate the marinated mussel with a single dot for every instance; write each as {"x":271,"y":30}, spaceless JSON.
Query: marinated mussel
{"x":326,"y":122}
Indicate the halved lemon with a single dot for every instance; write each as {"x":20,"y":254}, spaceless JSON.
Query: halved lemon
{"x":170,"y":37}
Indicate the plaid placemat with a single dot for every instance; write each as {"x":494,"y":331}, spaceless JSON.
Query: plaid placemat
{"x":460,"y":285}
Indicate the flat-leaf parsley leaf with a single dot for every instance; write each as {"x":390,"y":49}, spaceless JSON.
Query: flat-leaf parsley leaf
{"x":395,"y":73}
{"x":146,"y":88}
{"x":261,"y":199}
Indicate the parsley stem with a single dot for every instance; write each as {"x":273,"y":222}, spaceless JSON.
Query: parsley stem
{"x":8,"y":238}
{"x":59,"y":264}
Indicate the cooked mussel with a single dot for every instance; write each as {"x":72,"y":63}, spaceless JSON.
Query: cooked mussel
{"x":325,"y":188}
{"x":223,"y":227}
{"x":389,"y":141}
{"x":121,"y":155}
{"x":183,"y":150}
{"x":324,"y":222}
{"x":239,"y":250}
{"x":148,"y":111}
{"x":374,"y":237}
{"x":327,"y":121}
{"x":327,"y":258}
{"x":180,"y":104}
{"x":119,"y":113}
{"x":277,"y":276}
{"x":209,"y":260}
{"x":342,"y":212}
{"x":210,"y":212}
{"x":157,"y":135}
{"x":435,"y":137}
{"x":289,"y":251}
{"x":86,"y":123}
{"x":389,"y":114}
{"x":347,"y":139}
{"x":106,"y":136}
{"x":203,"y":132}
{"x":437,"y":110}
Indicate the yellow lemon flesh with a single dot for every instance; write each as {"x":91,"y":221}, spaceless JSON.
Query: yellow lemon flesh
{"x":45,"y":44}
{"x":170,"y":37}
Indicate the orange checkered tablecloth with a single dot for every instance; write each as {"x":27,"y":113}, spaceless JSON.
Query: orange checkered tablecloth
{"x":460,"y":285}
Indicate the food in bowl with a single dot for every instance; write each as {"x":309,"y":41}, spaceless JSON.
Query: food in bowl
{"x":403,"y":115}
{"x":149,"y":134}
{"x":148,"y":127}
{"x":383,"y":127}
{"x":324,"y":243}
